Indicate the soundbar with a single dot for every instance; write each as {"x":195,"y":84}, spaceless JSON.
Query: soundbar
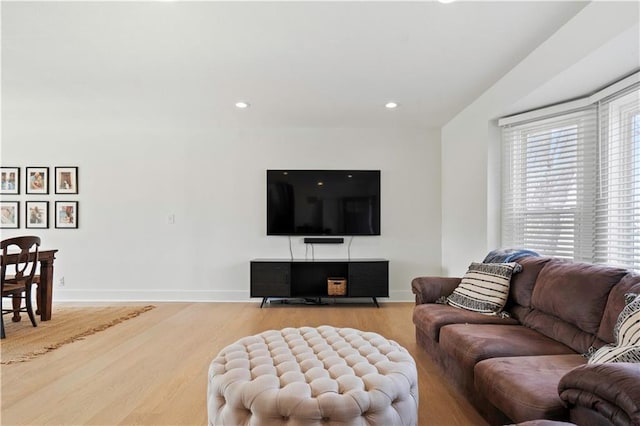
{"x":309,"y":240}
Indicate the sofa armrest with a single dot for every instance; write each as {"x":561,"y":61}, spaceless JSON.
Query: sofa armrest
{"x":610,"y":389}
{"x":430,"y":289}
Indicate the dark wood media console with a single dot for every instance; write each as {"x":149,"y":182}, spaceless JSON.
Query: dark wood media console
{"x":283,"y":278}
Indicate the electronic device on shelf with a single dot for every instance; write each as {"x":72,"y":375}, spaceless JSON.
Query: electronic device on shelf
{"x":323,"y":202}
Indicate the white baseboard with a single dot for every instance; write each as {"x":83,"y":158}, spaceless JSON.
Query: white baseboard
{"x":401,"y":296}
{"x":64,"y":295}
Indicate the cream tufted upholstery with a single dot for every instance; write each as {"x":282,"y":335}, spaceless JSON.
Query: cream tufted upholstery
{"x":313,"y":376}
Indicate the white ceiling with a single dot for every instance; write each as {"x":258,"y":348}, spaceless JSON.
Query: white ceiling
{"x":299,"y":64}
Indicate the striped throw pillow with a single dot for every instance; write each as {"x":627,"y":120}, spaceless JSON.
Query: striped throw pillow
{"x":627,"y":328}
{"x":626,"y":333}
{"x":484,"y":288}
{"x":612,"y":353}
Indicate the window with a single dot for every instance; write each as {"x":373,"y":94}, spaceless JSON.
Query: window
{"x":617,"y":238}
{"x":571,"y":180}
{"x":547,"y":184}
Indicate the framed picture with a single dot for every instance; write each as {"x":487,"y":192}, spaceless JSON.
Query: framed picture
{"x":10,"y":180}
{"x":66,"y":214}
{"x":37,"y":180}
{"x":9,"y":214}
{"x":66,"y":180}
{"x":37,"y":214}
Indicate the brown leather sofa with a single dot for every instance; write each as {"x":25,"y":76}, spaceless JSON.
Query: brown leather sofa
{"x":531,"y":365}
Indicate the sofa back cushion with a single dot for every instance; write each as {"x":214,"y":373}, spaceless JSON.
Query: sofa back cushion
{"x":519,"y":303}
{"x":569,"y":299}
{"x":629,"y":284}
{"x":626,"y":334}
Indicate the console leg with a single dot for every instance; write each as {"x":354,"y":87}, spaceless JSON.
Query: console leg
{"x":264,"y":299}
{"x":375,"y":301}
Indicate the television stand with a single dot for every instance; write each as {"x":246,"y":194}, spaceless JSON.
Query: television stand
{"x":307,"y":279}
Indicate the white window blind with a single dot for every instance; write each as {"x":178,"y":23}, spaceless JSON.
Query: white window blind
{"x":549,"y":175}
{"x":571,"y":182}
{"x":617,"y":238}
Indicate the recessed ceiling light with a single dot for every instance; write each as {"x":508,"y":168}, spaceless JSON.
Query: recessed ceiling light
{"x":446,"y":1}
{"x":391,"y":105}
{"x":242,"y":105}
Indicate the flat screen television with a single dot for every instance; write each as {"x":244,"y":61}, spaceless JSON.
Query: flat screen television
{"x":323,"y":202}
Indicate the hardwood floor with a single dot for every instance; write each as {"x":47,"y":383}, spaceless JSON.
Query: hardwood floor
{"x":152,"y":370}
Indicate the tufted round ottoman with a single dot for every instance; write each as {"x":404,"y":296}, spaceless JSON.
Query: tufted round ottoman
{"x":313,"y":376}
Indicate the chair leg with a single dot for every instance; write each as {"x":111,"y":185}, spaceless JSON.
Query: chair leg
{"x":27,"y":297}
{"x":2,"y":324}
{"x":15,"y":300}
{"x":38,"y":295}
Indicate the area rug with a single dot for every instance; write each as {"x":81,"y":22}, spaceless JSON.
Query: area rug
{"x":67,"y":324}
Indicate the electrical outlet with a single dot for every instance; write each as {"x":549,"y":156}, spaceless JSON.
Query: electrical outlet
{"x":172,"y":219}
{"x":61,"y":282}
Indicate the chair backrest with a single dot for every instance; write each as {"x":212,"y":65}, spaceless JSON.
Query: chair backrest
{"x":20,"y":256}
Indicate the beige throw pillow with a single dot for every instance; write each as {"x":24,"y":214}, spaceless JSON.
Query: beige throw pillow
{"x":484,"y":288}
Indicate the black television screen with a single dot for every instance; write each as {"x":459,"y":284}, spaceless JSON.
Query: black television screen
{"x":323,"y":202}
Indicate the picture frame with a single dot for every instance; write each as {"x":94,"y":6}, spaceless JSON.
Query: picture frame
{"x":9,"y":214}
{"x":10,"y":180}
{"x":37,"y":180}
{"x":36,"y":214}
{"x":66,"y":213}
{"x":66,"y":180}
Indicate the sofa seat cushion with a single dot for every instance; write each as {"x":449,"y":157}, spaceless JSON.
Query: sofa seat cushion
{"x":430,"y":318}
{"x":471,"y":343}
{"x":526,"y":387}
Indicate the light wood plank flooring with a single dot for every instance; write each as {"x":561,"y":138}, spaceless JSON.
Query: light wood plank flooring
{"x":152,"y":370}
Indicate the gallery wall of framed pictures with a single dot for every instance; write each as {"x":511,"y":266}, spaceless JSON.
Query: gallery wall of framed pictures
{"x":35,"y":212}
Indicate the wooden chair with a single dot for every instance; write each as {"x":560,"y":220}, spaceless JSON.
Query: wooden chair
{"x":19,"y":261}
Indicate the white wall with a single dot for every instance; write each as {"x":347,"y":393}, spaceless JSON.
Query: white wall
{"x":470,"y":142}
{"x":133,"y":175}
